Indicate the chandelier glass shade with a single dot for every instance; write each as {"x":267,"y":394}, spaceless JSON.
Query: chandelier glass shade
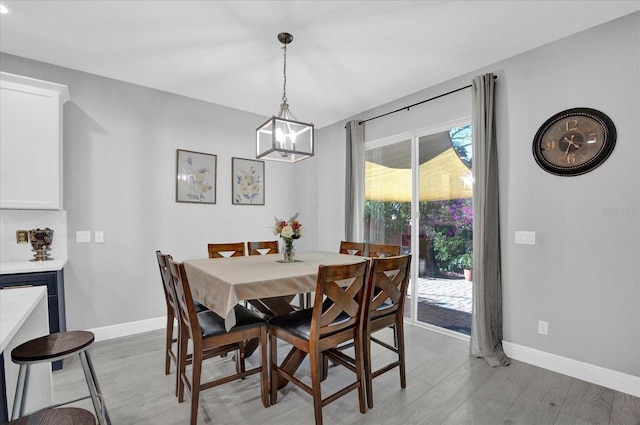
{"x":283,"y":138}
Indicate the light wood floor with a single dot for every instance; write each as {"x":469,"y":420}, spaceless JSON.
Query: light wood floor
{"x":444,"y":386}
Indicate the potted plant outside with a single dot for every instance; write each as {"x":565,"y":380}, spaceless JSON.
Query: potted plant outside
{"x":465,"y":262}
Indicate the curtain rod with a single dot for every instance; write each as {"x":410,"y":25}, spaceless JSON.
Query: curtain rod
{"x":419,"y":103}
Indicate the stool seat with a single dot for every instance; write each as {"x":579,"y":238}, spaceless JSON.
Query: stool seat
{"x":50,"y":347}
{"x":61,"y":416}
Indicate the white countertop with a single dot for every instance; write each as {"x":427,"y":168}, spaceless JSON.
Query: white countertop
{"x":15,"y":307}
{"x":32,"y":266}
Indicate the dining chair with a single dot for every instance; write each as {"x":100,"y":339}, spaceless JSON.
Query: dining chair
{"x":388,"y":280}
{"x":219,"y":250}
{"x":270,"y":247}
{"x":352,"y":248}
{"x":381,"y":250}
{"x":318,"y":329}
{"x":172,"y":313}
{"x":207,"y":333}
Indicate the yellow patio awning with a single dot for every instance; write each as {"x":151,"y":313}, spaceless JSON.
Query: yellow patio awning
{"x":442,"y":177}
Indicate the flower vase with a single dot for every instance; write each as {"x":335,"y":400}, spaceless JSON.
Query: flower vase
{"x":288,"y":250}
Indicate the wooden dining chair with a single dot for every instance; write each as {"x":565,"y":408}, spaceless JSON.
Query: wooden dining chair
{"x":381,"y":250}
{"x":220,"y":250}
{"x":271,"y":247}
{"x":172,"y":313}
{"x":318,"y":329}
{"x":388,"y":280}
{"x":207,"y":333}
{"x":352,"y":248}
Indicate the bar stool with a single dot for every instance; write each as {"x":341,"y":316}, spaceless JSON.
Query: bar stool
{"x":54,"y":347}
{"x":62,"y":416}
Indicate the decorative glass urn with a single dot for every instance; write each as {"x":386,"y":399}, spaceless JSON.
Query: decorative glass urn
{"x":40,"y":240}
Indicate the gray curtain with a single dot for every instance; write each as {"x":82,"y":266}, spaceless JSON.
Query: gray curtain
{"x":354,"y":190}
{"x":486,"y":319}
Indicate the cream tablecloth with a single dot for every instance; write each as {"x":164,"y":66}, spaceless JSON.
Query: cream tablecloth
{"x":221,"y":283}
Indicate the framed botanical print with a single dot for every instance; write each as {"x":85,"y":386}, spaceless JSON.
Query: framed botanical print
{"x":196,"y":177}
{"x":247,"y":177}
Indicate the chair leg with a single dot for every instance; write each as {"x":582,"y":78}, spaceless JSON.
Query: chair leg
{"x":367,"y":369}
{"x":182,"y":364}
{"x":241,"y":357}
{"x":358,"y":348}
{"x":20,"y":399}
{"x":94,"y":389}
{"x":168,"y":344}
{"x":273,"y":347}
{"x":177,"y":359}
{"x":264,"y":373}
{"x":196,"y":372}
{"x":401,"y":358}
{"x":315,"y":364}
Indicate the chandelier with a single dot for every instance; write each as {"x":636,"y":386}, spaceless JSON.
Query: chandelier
{"x":284,"y":138}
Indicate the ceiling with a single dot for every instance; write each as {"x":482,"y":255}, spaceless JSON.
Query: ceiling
{"x":346,"y":57}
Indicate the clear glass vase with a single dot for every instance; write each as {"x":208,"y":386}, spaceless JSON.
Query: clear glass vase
{"x":288,"y":250}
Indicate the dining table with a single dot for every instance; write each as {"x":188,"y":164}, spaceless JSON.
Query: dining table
{"x":265,"y":281}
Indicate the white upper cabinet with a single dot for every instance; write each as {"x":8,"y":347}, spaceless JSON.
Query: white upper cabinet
{"x":31,"y":118}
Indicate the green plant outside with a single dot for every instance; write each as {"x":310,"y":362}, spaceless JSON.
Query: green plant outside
{"x":447,"y":224}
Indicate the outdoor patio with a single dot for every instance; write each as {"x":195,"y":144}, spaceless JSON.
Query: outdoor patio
{"x":445,"y":303}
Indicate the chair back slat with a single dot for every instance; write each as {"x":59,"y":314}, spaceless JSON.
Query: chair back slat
{"x":165,"y":274}
{"x":270,"y":247}
{"x":340,"y":294}
{"x":219,"y":250}
{"x":381,"y":250}
{"x":389,"y":281}
{"x":186,"y":308}
{"x":352,"y":248}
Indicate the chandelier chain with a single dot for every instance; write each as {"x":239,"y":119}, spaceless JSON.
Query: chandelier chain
{"x":284,"y":74}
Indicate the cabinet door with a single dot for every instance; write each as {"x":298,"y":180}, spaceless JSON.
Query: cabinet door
{"x":31,"y":143}
{"x":54,"y":281}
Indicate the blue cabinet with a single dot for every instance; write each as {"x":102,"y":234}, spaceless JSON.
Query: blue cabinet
{"x":54,"y":281}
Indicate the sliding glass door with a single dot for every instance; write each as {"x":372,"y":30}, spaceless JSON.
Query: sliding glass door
{"x":418,"y":191}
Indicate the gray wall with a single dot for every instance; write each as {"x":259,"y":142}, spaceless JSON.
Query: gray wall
{"x":120,"y":146}
{"x":583,"y":274}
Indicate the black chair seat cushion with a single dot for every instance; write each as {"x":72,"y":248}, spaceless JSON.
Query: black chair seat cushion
{"x":379,"y":312}
{"x":199,"y":307}
{"x":212,"y":324}
{"x":298,"y":322}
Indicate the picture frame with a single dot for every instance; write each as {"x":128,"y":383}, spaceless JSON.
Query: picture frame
{"x":247,"y":182}
{"x":196,"y":177}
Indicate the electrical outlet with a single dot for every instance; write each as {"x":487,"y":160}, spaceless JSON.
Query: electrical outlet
{"x":543,"y":327}
{"x":527,"y":238}
{"x":22,"y":236}
{"x":83,"y":236}
{"x":98,"y":236}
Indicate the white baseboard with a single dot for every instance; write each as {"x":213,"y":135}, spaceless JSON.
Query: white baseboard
{"x":129,"y":328}
{"x":608,"y":378}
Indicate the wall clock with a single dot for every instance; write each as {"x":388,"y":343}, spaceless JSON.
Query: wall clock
{"x":574,"y":141}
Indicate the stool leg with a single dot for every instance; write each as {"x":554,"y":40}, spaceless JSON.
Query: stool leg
{"x":94,"y":389}
{"x":20,"y":399}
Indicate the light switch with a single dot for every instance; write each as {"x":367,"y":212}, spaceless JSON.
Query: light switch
{"x":527,"y":238}
{"x":83,"y":236}
{"x":98,"y":236}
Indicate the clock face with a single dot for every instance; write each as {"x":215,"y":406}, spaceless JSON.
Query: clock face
{"x":574,"y":141}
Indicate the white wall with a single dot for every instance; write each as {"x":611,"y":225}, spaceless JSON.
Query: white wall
{"x":583,"y":274}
